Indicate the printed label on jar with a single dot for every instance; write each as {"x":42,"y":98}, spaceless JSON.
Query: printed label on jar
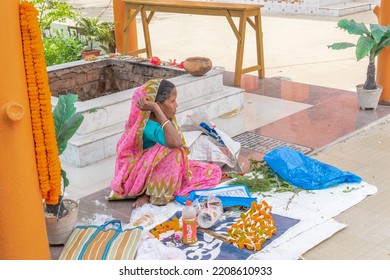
{"x":189,"y":231}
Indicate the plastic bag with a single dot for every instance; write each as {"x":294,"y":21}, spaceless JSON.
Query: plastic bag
{"x":149,"y":215}
{"x":305,"y":172}
{"x":153,"y":249}
{"x":233,"y":195}
{"x":144,"y":216}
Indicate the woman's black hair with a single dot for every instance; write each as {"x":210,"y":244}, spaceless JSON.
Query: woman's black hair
{"x":164,"y":91}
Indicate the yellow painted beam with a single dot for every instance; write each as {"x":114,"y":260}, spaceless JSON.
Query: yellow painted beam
{"x":383,"y":65}
{"x":23,"y":230}
{"x":119,"y":23}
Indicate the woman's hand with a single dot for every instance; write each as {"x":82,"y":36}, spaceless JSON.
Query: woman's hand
{"x":171,"y":135}
{"x":145,"y":105}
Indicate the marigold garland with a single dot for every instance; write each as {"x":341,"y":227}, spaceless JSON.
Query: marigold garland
{"x":165,"y":227}
{"x":253,"y":228}
{"x":46,"y":150}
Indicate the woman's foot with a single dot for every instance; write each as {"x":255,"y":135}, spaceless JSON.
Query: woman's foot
{"x":141,"y":200}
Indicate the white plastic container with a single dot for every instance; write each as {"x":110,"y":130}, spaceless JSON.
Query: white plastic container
{"x":208,"y":216}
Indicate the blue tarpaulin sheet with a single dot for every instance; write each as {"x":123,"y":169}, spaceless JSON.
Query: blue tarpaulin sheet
{"x":305,"y":172}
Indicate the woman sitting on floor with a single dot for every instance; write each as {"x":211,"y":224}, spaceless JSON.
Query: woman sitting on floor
{"x":152,"y":161}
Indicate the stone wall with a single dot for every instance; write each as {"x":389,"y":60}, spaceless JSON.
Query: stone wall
{"x":92,"y":79}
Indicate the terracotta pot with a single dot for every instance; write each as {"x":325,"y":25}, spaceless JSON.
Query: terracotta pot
{"x":368,"y":99}
{"x":197,"y":66}
{"x":89,"y":52}
{"x":58,"y":231}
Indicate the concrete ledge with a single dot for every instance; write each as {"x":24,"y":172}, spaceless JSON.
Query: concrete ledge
{"x":342,"y":9}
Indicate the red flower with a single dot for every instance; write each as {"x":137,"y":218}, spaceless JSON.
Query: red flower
{"x":155,"y":61}
{"x":172,"y":62}
{"x":181,"y":65}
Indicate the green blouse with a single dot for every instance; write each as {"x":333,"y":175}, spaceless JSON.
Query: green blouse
{"x":153,"y":134}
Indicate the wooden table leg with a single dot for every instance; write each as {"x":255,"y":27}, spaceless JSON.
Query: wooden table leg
{"x":240,"y":51}
{"x":125,"y":33}
{"x":259,"y":45}
{"x":145,"y":25}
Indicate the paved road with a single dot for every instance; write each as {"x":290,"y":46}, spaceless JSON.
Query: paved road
{"x":294,"y":45}
{"x":103,"y":8}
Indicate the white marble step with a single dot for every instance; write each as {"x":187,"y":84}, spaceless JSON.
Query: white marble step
{"x":89,"y":148}
{"x":109,"y":110}
{"x":189,"y":87}
{"x":324,"y":3}
{"x":345,"y":8}
{"x":213,"y":105}
{"x":86,"y":149}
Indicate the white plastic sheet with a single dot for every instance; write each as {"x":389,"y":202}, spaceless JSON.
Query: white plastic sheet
{"x":315,"y":210}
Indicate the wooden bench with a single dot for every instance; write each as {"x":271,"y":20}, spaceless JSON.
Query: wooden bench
{"x":228,"y":10}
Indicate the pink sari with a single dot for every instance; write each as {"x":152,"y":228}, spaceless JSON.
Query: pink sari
{"x":158,"y":171}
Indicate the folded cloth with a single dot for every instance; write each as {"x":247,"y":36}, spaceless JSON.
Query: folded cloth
{"x":305,"y":172}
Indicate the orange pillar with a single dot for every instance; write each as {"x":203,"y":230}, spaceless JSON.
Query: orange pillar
{"x":22,"y":223}
{"x":119,"y":23}
{"x":383,"y":72}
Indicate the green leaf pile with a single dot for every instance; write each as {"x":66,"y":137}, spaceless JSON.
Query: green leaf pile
{"x":261,"y":178}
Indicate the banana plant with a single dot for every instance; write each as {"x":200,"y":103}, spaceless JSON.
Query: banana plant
{"x":66,"y":121}
{"x":369,"y":44}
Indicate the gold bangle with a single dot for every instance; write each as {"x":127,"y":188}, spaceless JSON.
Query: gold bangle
{"x":167,"y":121}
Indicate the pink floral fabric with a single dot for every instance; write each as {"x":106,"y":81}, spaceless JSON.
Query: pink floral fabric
{"x":159,"y":171}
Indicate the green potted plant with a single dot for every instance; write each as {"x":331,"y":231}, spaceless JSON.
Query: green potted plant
{"x":61,"y":48}
{"x":107,"y":37}
{"x":61,"y":218}
{"x":370,"y":43}
{"x":90,"y":28}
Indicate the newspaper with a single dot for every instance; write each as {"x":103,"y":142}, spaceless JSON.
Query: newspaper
{"x":210,"y":144}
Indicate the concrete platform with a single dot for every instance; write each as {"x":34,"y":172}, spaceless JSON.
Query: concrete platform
{"x":295,"y":47}
{"x":343,"y":9}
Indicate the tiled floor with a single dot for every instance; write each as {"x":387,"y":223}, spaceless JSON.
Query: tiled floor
{"x":297,"y":113}
{"x":327,"y":115}
{"x":367,"y":234}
